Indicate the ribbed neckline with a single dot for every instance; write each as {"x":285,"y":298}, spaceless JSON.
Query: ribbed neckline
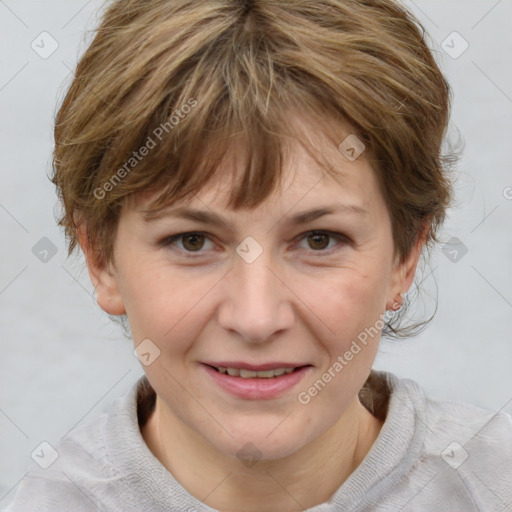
{"x":396,"y":449}
{"x":389,"y":459}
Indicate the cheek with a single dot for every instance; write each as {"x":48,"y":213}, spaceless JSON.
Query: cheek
{"x":159,"y":300}
{"x":352,"y":308}
{"x":347,"y":302}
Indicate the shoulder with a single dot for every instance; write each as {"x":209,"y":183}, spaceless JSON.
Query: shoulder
{"x":52,"y":481}
{"x":475,"y":442}
{"x":451,"y":420}
{"x":473,"y":432}
{"x":78,"y":472}
{"x":106,"y":465}
{"x":466,"y":451}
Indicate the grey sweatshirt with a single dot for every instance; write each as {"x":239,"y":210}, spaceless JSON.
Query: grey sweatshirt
{"x":430,"y":456}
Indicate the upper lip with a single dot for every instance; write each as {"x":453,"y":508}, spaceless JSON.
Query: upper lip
{"x":254,"y":367}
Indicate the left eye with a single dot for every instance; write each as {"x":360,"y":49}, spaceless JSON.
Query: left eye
{"x":318,"y":241}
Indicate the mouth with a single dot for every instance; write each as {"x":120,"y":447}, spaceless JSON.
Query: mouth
{"x":246,"y":373}
{"x":256,"y":382}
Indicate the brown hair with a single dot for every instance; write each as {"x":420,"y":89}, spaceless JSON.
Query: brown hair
{"x":165,"y":85}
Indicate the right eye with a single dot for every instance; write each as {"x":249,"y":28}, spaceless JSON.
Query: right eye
{"x":191,"y":242}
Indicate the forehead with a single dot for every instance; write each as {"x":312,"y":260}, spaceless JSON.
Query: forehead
{"x":315,"y":166}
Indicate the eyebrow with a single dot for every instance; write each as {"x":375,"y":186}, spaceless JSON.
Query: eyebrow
{"x":211,"y":218}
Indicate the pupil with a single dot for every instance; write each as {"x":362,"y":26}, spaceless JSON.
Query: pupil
{"x":317,"y":237}
{"x":195,"y":238}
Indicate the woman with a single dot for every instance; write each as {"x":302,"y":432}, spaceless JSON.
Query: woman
{"x":252,"y":184}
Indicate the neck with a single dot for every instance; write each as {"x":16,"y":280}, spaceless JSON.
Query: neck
{"x":306,"y":478}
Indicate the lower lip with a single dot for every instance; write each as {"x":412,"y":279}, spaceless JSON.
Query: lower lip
{"x":255,"y":388}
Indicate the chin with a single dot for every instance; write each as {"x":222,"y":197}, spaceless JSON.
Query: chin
{"x":263,"y":444}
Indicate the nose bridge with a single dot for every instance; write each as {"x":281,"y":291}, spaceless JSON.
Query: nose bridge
{"x":255,"y":304}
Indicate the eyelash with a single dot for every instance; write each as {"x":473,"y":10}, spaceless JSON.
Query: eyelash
{"x":342,"y":241}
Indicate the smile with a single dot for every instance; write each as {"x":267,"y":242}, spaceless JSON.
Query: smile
{"x":251,"y":374}
{"x":256,"y":382}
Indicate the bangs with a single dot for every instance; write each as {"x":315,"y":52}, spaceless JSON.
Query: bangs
{"x":190,"y":157}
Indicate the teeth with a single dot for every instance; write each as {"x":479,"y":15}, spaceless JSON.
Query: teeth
{"x":268,"y":374}
{"x":250,"y":374}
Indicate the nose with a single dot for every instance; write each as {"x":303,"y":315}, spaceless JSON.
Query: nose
{"x":256,"y":303}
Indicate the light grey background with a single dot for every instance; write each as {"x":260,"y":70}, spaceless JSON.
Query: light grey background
{"x":63,"y":361}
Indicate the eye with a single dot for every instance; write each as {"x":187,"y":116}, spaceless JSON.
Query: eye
{"x":319,"y":241}
{"x":191,"y":242}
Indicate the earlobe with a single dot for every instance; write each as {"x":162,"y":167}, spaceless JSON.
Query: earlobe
{"x":403,"y":274}
{"x":397,"y":303}
{"x":104,"y":280}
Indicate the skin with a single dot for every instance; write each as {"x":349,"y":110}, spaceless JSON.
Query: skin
{"x":301,"y":301}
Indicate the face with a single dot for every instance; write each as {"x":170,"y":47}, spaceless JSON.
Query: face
{"x":265,"y":290}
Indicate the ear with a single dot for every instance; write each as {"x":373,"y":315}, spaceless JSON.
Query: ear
{"x":403,"y":272}
{"x":104,"y":279}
